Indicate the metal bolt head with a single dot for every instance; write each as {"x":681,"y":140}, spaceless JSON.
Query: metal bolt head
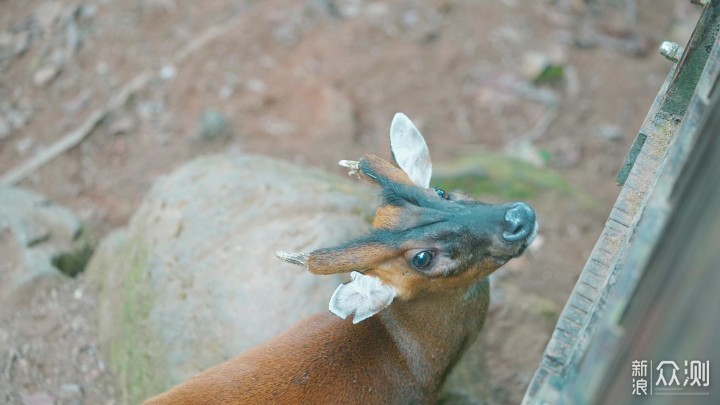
{"x":671,"y":51}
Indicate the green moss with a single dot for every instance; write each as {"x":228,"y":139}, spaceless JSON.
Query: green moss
{"x":130,"y":350}
{"x":500,"y":176}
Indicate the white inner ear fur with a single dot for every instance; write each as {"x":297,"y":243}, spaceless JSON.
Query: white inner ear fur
{"x":410,"y":150}
{"x":364,"y":296}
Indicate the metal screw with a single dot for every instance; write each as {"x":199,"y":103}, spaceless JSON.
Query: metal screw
{"x":671,"y":51}
{"x":699,"y":2}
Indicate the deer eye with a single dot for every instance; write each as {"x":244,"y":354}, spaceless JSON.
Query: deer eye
{"x":422,"y":259}
{"x":442,"y":193}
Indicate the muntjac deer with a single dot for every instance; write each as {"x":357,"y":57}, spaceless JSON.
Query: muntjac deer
{"x":417,"y":299}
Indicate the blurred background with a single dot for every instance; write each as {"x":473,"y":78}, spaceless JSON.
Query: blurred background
{"x":517,"y":99}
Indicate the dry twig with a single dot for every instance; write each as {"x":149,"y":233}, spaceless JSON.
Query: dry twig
{"x":73,"y":138}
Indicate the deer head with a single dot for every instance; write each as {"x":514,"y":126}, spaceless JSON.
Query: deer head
{"x":422,"y":240}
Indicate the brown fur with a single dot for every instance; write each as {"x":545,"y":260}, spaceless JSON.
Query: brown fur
{"x":387,"y":217}
{"x":387,"y":169}
{"x":325,"y":359}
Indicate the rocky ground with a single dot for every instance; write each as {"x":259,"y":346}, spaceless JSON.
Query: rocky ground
{"x":137,"y":88}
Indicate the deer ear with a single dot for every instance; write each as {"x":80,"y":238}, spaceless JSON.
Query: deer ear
{"x":410,"y":150}
{"x":364,"y":297}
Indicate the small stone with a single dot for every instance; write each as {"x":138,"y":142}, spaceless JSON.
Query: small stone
{"x":540,"y":67}
{"x":71,"y":389}
{"x":214,"y":125}
{"x":168,"y":72}
{"x":226,"y":91}
{"x":16,"y":118}
{"x":45,"y":75}
{"x":102,"y":68}
{"x":256,"y":86}
{"x":534,"y":64}
{"x":410,"y":18}
{"x":122,"y":126}
{"x":73,"y":36}
{"x":23,"y":145}
{"x":277,"y":127}
{"x":150,"y":109}
{"x":88,"y":11}
{"x":610,"y":132}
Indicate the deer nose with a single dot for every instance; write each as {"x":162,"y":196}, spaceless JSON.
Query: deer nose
{"x":519,"y":222}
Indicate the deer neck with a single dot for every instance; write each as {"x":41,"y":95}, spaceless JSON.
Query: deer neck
{"x":432,"y":331}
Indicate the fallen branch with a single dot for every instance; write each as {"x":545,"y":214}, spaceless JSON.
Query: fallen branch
{"x":72,"y":139}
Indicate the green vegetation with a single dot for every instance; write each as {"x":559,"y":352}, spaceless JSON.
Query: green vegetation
{"x":73,"y":262}
{"x":129,"y":349}
{"x":551,"y":74}
{"x":497,"y":175}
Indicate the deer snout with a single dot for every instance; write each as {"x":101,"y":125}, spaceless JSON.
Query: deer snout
{"x":519,"y":222}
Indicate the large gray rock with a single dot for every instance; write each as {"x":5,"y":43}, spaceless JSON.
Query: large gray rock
{"x":194,"y":279}
{"x":38,"y":239}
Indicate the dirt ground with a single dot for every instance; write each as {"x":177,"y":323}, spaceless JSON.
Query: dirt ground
{"x":314,"y":82}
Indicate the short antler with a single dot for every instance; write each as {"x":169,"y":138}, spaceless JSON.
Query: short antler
{"x":295,"y":258}
{"x":353,"y":165}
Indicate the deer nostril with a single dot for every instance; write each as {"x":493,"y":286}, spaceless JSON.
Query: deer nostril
{"x":519,"y":222}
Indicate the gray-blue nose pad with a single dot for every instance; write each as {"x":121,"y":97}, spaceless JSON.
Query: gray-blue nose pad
{"x":519,"y":222}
